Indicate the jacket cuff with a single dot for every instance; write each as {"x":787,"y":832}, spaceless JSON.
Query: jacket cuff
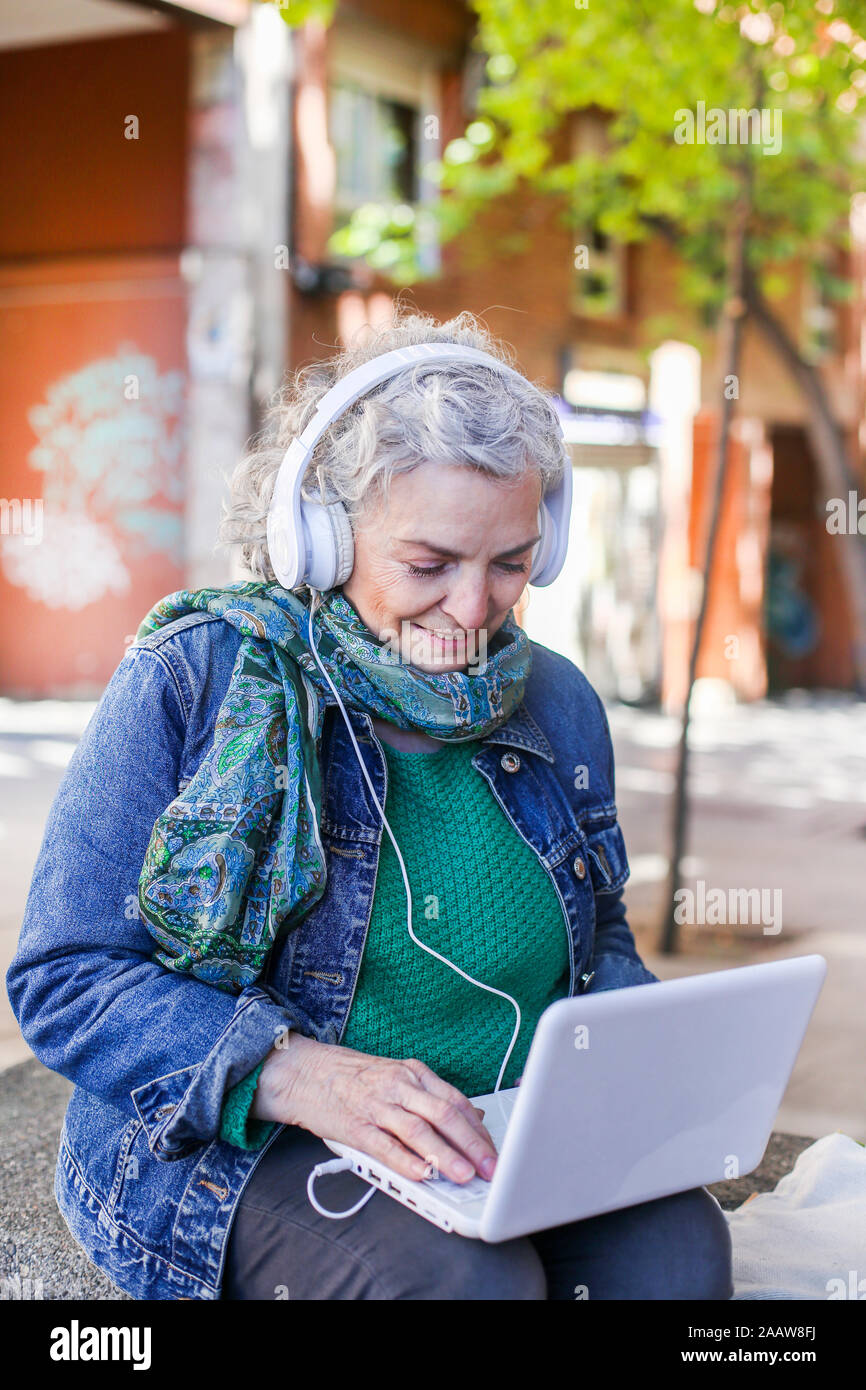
{"x":236,"y":1126}
{"x":616,"y":971}
{"x":183,"y":1109}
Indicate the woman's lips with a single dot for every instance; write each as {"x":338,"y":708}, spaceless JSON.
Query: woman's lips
{"x":439,"y":639}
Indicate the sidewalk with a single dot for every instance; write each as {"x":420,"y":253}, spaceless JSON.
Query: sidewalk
{"x":779,"y":803}
{"x":37,"y":739}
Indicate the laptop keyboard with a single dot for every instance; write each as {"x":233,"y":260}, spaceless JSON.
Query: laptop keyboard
{"x":495,"y":1124}
{"x":456,"y":1191}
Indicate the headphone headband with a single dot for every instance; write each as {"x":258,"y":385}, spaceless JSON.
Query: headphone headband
{"x":310,"y":542}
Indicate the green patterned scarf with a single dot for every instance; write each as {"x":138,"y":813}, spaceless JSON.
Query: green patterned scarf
{"x":237,"y":856}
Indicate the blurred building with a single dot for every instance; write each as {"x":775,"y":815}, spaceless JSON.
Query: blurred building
{"x":142,"y":314}
{"x":164,"y":259}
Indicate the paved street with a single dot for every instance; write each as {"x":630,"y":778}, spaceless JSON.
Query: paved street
{"x":779,"y":795}
{"x":779,"y":804}
{"x":36,"y":742}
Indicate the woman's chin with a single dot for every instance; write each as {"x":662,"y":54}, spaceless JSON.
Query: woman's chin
{"x":437,"y":668}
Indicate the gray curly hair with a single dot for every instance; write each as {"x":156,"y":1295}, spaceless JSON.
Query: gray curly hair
{"x":470,"y":414}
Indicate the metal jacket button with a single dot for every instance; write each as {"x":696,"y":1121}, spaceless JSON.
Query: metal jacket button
{"x":579,"y":867}
{"x":510,"y":762}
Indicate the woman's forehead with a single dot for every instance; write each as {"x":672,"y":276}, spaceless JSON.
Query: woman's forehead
{"x":453,"y":518}
{"x":450,"y":490}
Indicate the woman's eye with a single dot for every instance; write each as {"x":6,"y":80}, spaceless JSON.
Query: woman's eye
{"x":432,"y":569}
{"x":418,"y":571}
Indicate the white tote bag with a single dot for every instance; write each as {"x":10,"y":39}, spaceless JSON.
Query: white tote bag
{"x":807,"y":1238}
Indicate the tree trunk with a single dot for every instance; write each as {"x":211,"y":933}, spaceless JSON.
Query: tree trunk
{"x":828,"y":447}
{"x":735,"y":310}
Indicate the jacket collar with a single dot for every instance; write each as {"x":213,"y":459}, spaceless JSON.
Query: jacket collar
{"x":519,"y":731}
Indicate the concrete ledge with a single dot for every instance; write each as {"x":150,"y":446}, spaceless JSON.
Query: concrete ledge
{"x":35,"y":1244}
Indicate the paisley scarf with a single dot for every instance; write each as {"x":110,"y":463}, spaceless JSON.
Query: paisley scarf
{"x":237,"y":857}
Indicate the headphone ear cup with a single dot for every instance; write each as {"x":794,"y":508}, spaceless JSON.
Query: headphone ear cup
{"x":344,"y":542}
{"x":330,"y":547}
{"x":542,"y":547}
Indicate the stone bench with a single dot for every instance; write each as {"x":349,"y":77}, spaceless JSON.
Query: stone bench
{"x":35,"y":1244}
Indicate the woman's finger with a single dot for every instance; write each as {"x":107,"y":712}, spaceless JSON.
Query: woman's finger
{"x":443,"y":1116}
{"x":417,"y":1134}
{"x":378,"y":1143}
{"x":437,"y":1087}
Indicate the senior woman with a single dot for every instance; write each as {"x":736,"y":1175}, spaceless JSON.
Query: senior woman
{"x":216,"y":949}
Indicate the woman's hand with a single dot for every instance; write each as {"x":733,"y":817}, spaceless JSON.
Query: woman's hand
{"x":400,"y":1112}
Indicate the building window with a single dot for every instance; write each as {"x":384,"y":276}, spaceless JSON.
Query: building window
{"x":598,"y":283}
{"x":820,"y":328}
{"x":598,"y":277}
{"x":375,"y":142}
{"x":383,"y":125}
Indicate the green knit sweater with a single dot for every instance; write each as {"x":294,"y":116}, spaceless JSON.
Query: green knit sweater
{"x":481,"y":898}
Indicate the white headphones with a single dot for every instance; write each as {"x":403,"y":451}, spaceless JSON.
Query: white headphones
{"x":311,"y":542}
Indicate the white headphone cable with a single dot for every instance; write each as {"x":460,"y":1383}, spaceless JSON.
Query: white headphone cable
{"x":342,"y":1164}
{"x":317,"y":599}
{"x":336,"y":1165}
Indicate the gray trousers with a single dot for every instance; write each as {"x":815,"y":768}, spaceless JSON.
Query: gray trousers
{"x":676,"y":1247}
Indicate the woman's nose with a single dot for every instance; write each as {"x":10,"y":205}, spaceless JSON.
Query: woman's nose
{"x":467,"y":602}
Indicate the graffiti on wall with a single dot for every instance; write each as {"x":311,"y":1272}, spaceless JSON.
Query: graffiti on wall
{"x":109,"y":451}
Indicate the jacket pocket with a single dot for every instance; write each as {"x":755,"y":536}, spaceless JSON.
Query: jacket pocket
{"x":608,"y":862}
{"x":124,"y":1163}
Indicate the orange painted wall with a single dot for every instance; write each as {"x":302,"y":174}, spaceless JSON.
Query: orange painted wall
{"x":72,"y":334}
{"x":732,"y":648}
{"x":72,"y":183}
{"x":91,"y":303}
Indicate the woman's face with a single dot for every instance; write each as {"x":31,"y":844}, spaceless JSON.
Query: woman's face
{"x":449,"y":555}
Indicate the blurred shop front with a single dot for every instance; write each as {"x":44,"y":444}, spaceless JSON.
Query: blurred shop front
{"x":602,"y":611}
{"x":623,"y":609}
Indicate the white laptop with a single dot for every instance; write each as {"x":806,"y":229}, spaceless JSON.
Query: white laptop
{"x":628,"y":1095}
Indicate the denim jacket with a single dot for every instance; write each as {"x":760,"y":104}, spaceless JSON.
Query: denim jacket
{"x":143,"y":1180}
